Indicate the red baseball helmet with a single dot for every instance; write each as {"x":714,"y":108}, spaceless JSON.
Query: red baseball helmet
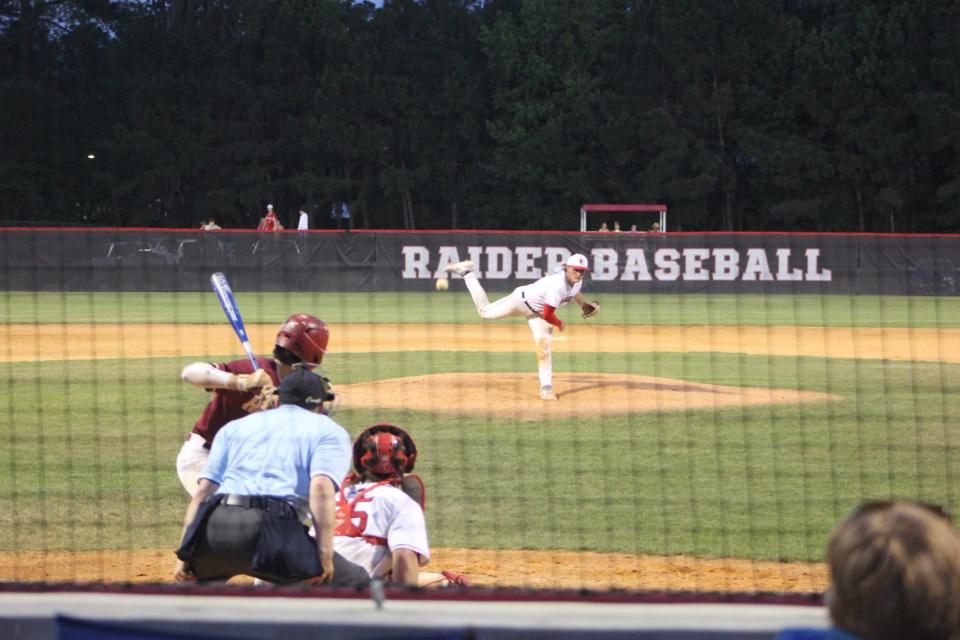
{"x":305,"y":336}
{"x":385,"y":450}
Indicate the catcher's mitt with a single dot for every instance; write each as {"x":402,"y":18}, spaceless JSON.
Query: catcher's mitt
{"x":589,"y":309}
{"x":266,"y":398}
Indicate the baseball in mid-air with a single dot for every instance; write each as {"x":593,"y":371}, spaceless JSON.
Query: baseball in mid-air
{"x":442,"y":284}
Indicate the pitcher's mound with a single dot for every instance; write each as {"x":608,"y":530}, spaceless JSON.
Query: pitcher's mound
{"x":581,"y":395}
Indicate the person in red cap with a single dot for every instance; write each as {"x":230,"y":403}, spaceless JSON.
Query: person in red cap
{"x":270,"y":222}
{"x":538,"y":303}
{"x":238,"y":390}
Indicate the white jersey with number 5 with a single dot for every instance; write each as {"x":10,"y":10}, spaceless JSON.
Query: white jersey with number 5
{"x":376,"y":520}
{"x":553,"y":290}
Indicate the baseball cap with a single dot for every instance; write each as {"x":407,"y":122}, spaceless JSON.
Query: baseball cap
{"x":578,"y":261}
{"x":305,"y":389}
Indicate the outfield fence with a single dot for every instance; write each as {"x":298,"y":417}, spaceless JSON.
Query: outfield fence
{"x":736,"y":396}
{"x":167,"y":260}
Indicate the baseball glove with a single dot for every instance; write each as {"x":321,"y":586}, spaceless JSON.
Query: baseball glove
{"x":589,"y":309}
{"x":266,"y":398}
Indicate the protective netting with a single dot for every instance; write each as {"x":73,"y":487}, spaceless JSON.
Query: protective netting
{"x":735,"y":396}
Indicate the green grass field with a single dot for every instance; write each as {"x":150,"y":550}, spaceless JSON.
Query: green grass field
{"x":89,"y":446}
{"x":454,"y":306}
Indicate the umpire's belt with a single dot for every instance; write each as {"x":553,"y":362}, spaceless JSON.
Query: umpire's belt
{"x":524,"y":296}
{"x":264,"y":503}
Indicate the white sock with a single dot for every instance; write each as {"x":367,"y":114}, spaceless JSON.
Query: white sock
{"x":544,"y":341}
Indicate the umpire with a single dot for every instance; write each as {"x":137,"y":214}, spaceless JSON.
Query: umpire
{"x":267,"y":473}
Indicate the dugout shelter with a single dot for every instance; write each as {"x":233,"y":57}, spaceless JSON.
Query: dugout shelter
{"x":640,"y":214}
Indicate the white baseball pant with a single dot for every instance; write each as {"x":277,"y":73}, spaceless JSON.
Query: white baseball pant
{"x":513,"y":304}
{"x":190,"y":461}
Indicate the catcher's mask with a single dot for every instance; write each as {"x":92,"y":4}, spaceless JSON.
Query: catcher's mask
{"x":384,"y":450}
{"x":305,"y":337}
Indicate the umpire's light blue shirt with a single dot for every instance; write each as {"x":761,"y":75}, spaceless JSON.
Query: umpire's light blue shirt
{"x":276,"y":452}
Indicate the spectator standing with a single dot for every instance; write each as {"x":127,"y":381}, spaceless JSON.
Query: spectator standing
{"x":895,"y":575}
{"x":267,"y":474}
{"x":303,"y":224}
{"x":270,"y":222}
{"x":340,"y":212}
{"x":616,"y":227}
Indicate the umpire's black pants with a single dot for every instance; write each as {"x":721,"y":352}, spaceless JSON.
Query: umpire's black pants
{"x":231,"y":539}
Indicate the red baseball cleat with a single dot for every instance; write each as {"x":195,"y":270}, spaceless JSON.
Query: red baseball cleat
{"x":458,"y":579}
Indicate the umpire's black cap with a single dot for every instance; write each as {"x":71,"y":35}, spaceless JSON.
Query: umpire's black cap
{"x":304,"y":389}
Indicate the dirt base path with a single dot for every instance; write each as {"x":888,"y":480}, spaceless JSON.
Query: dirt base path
{"x":101,"y":341}
{"x":592,"y":393}
{"x":485,"y":567}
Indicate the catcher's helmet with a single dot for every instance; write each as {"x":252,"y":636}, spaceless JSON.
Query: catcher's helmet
{"x":385,"y":450}
{"x":305,"y":336}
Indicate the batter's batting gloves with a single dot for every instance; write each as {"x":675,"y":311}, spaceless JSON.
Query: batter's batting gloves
{"x":255,"y":380}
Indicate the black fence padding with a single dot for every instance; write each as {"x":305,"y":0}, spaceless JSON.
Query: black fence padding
{"x":158,"y":260}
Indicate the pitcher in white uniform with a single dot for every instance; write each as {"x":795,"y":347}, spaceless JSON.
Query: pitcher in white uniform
{"x":537,"y":302}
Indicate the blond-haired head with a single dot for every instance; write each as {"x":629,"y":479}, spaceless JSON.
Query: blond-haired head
{"x":895,"y":568}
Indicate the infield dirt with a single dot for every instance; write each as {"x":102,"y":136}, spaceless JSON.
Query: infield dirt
{"x":486,"y":568}
{"x":591,"y":393}
{"x":101,"y":341}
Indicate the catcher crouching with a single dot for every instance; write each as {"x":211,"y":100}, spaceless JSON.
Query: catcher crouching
{"x":380,"y":521}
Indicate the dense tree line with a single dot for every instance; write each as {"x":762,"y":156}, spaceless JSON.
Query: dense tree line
{"x":827,"y":115}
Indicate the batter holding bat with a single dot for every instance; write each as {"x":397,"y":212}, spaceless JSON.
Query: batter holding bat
{"x":538,"y":303}
{"x":245,"y":386}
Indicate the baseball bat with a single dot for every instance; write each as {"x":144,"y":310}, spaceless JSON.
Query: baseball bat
{"x":225,"y":294}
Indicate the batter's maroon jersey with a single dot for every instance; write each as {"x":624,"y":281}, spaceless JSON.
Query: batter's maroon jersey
{"x":226,"y":404}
